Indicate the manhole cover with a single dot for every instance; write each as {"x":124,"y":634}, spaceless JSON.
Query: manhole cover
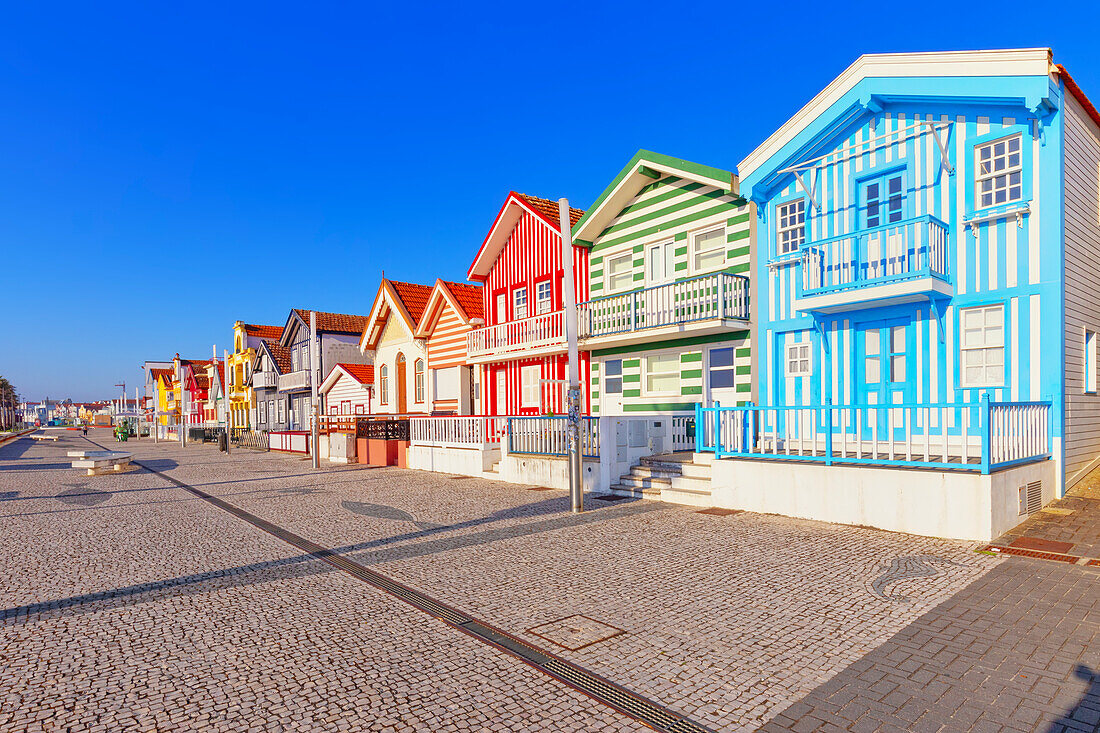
{"x":575,"y":632}
{"x":1038,"y":543}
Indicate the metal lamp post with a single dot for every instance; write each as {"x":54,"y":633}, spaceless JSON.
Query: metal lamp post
{"x":573,"y":398}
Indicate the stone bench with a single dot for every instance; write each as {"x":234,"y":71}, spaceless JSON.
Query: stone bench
{"x":100,"y":461}
{"x":44,"y":437}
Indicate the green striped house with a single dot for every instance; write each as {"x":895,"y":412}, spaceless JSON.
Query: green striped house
{"x":667,"y":324}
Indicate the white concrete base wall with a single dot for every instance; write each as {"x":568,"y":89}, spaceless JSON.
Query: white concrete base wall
{"x":953,"y":505}
{"x":463,"y":461}
{"x":548,"y":471}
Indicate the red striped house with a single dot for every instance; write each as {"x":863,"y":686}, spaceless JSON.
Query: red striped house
{"x":520,"y":353}
{"x":453,"y":310}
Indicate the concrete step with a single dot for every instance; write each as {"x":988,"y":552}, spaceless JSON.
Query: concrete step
{"x":692,"y":470}
{"x":654,"y":471}
{"x":691,"y":484}
{"x":632,"y":480}
{"x":649,"y":492}
{"x":690,"y":497}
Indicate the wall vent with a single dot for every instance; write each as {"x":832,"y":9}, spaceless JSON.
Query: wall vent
{"x":1031,"y":498}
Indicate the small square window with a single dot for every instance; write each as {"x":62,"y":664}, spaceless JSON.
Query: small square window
{"x":613,"y":376}
{"x":708,"y":250}
{"x":798,"y":360}
{"x":619,"y":272}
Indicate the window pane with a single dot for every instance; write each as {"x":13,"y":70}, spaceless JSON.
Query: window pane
{"x":721,"y":378}
{"x":721,"y":357}
{"x":871,"y":342}
{"x":897,"y":368}
{"x":871,"y":369}
{"x":613,"y":385}
{"x":613,"y":368}
{"x":897,"y":339}
{"x":663,"y":382}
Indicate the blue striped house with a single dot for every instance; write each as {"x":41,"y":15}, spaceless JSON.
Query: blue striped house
{"x":928,"y":237}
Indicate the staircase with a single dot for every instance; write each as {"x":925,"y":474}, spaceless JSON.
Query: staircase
{"x":682,"y":478}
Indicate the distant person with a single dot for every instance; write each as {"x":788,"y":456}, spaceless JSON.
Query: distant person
{"x":84,"y":429}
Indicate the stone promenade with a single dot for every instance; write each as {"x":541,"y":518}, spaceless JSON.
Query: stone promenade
{"x":129,"y":603}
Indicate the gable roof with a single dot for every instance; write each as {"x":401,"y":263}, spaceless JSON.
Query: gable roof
{"x":465,"y":299}
{"x":515,"y":205}
{"x":643,"y":169}
{"x":280,"y":355}
{"x":264,"y":332}
{"x":361,"y":373}
{"x":405,"y":299}
{"x":165,"y":375}
{"x":326,"y":323}
{"x":1008,"y":62}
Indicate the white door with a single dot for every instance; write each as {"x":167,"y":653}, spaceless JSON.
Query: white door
{"x":501,"y":391}
{"x":611,"y":396}
{"x":721,"y":378}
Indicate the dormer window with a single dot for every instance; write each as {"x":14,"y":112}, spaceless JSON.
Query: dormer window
{"x":790,"y":231}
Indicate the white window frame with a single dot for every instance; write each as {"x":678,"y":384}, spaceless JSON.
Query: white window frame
{"x":418,"y":380}
{"x":530,"y":378}
{"x":608,"y":283}
{"x":383,"y":385}
{"x":519,"y":312}
{"x":281,"y":405}
{"x":799,"y":359}
{"x":547,"y":301}
{"x":647,"y":372}
{"x":785,"y":224}
{"x":984,"y":346}
{"x":607,"y":376}
{"x":712,"y":368}
{"x":667,"y":250}
{"x":694,"y":252}
{"x":1090,"y":362}
{"x":983,"y":174}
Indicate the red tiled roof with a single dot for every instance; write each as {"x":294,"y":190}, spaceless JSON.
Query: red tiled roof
{"x":201,"y":380}
{"x":280,"y":354}
{"x":1071,"y":85}
{"x":468,"y":297}
{"x":334,"y":322}
{"x":362,"y":373}
{"x":166,"y":374}
{"x":549,"y":209}
{"x":414,"y":297}
{"x":264,"y":332}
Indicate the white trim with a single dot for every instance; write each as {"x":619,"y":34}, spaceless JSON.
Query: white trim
{"x":794,"y":354}
{"x":629,"y":253}
{"x":645,"y":390}
{"x":964,"y":382}
{"x":722,"y":247}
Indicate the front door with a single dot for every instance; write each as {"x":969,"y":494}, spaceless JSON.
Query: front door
{"x":721,"y":379}
{"x":500,"y":390}
{"x":402,"y":397}
{"x":884,"y":368}
{"x":611,"y":396}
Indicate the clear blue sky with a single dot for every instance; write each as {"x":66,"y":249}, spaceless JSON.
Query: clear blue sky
{"x":164,"y":172}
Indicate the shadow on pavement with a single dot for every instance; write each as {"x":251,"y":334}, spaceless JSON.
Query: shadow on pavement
{"x":1085,"y":715}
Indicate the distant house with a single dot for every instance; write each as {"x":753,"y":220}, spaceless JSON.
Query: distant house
{"x":246,"y":340}
{"x":348,"y":389}
{"x":269,"y":363}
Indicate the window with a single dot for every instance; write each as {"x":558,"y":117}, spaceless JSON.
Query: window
{"x":519,"y":303}
{"x":271,"y":411}
{"x":708,"y":250}
{"x":529,"y":379}
{"x":384,"y":384}
{"x":262,"y":412}
{"x":613,"y":376}
{"x":790,"y":232}
{"x":883,"y":200}
{"x":799,"y":361}
{"x":662,"y":374}
{"x":418,"y":376}
{"x":445,"y":384}
{"x":983,"y":350}
{"x":543,"y":297}
{"x":360,"y":409}
{"x":1090,"y":361}
{"x":282,"y":410}
{"x":721,"y":368}
{"x":659,"y":262}
{"x":619,"y":271}
{"x":998,"y":173}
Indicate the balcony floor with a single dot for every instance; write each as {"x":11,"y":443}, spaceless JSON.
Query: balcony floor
{"x":874,"y":295}
{"x":663,"y":333}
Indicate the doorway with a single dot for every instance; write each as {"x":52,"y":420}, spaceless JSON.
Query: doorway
{"x":402,"y":397}
{"x":883,"y":368}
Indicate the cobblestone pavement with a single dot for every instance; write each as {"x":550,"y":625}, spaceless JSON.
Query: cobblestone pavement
{"x":724,"y":619}
{"x":1073,"y":521}
{"x":193,"y":620}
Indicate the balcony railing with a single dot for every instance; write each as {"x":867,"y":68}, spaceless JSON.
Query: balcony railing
{"x":547,"y":329}
{"x":261,"y":380}
{"x":549,"y":436}
{"x":456,"y":431}
{"x":980,"y":436}
{"x":717,"y":296}
{"x":294,"y":380}
{"x":904,"y":250}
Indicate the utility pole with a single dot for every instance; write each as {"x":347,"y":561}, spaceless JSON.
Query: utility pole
{"x":314,"y":367}
{"x":573,"y":398}
{"x":225,"y":401}
{"x":181,"y":402}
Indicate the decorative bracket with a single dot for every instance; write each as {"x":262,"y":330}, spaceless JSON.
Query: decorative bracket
{"x":942,"y":145}
{"x":819,"y":326}
{"x":811,"y":192}
{"x":938,"y":313}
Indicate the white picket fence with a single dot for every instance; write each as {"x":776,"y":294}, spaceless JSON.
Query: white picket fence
{"x":548,"y":436}
{"x":456,"y":431}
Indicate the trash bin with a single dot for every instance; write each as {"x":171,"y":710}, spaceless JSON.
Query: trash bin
{"x":223,"y":441}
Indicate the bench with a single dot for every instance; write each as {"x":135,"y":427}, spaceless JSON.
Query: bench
{"x":100,"y":461}
{"x":44,"y":437}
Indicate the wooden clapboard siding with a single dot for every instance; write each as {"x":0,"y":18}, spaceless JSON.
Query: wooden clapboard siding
{"x":1082,"y":283}
{"x":347,"y":389}
{"x":447,"y":343}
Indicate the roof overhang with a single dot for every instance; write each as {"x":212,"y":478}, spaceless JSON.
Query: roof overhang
{"x":386,"y":302}
{"x":644,"y":168}
{"x":441,"y":295}
{"x":514,"y":208}
{"x":1011,"y":62}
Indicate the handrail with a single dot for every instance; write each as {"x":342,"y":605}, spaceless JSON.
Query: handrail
{"x":873,"y":230}
{"x":665,"y":285}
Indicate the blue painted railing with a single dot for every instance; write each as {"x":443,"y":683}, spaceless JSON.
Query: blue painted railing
{"x":985,"y":436}
{"x":548,"y":436}
{"x":904,"y":250}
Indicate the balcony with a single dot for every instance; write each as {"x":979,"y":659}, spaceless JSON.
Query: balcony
{"x":538,"y":335}
{"x":261,"y":380}
{"x":293,"y":381}
{"x":698,"y":306}
{"x":897,"y":263}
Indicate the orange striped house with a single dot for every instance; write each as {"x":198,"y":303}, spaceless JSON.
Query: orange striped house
{"x":453,"y":310}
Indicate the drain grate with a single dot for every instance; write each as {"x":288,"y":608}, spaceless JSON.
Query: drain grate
{"x":579,"y":678}
{"x":1020,"y":552}
{"x":1042,"y":545}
